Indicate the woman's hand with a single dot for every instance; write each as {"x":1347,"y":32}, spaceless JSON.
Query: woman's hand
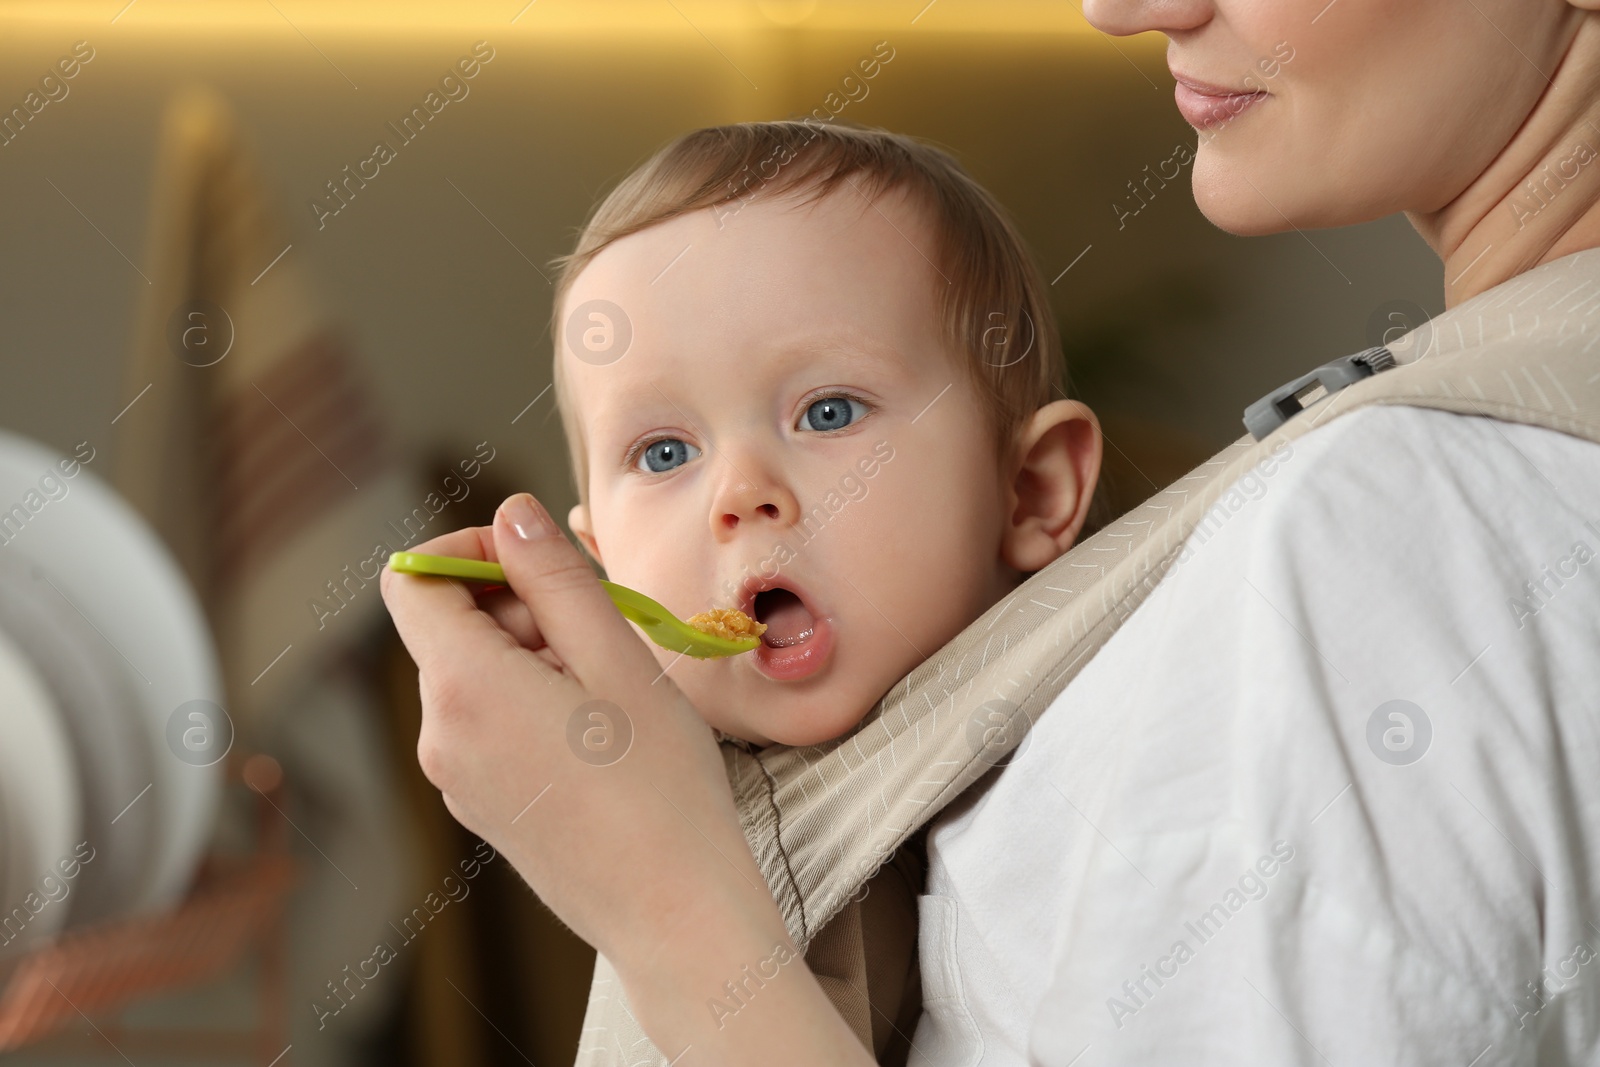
{"x":553,"y":734}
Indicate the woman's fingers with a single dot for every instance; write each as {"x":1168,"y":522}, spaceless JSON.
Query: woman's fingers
{"x":437,"y":618}
{"x":469,"y":542}
{"x":500,"y":603}
{"x":565,"y":601}
{"x":513,"y":616}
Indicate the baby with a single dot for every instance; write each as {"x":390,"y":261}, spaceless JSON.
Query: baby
{"x":809,"y":373}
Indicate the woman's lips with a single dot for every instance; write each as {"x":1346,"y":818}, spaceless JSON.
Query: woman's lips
{"x":1205,"y":106}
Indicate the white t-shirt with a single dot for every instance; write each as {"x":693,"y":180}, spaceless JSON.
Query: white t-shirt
{"x":1255,"y":854}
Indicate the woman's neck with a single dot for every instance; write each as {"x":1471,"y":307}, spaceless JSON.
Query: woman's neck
{"x":1540,"y":198}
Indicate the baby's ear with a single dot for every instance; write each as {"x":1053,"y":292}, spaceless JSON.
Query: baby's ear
{"x":1055,"y":465}
{"x":583,"y":530}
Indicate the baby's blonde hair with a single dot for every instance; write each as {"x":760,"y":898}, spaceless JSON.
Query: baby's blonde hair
{"x":995,"y":307}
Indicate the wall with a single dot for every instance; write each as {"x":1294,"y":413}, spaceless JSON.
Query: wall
{"x":1173,"y":326}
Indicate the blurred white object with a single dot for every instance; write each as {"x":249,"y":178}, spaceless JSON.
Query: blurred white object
{"x":91,"y":690}
{"x":109,"y":570}
{"x":40,"y":814}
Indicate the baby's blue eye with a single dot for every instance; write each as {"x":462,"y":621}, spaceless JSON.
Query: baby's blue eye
{"x":665,"y":454}
{"x":834,"y":413}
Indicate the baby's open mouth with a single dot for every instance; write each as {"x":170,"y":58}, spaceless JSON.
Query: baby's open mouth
{"x":788,"y":620}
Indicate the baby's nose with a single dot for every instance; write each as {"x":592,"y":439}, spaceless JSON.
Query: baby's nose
{"x":731,"y":519}
{"x":745,"y":501}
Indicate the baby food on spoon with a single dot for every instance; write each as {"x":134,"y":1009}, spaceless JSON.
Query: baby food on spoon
{"x":729,"y":623}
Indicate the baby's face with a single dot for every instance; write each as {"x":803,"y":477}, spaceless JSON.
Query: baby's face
{"x":787,"y":433}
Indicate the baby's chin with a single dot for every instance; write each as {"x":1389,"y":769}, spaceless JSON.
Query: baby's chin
{"x":812,"y":720}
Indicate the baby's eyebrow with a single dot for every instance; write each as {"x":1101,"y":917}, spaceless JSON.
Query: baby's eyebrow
{"x":637,"y":398}
{"x":855,"y":346}
{"x":854,"y":351}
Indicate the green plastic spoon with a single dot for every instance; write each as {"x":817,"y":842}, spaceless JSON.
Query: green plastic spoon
{"x":659,"y":624}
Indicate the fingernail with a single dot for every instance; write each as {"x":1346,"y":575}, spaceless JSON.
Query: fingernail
{"x":527,"y":517}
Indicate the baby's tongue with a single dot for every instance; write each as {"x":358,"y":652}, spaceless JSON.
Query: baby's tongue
{"x":788,"y":621}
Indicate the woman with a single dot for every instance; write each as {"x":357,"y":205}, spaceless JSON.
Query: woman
{"x":1335,"y":902}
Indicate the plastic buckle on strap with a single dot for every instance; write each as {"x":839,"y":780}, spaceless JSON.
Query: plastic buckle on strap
{"x":1283,"y":403}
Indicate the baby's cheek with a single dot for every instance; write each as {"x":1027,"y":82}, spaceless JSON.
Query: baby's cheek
{"x":919,"y":587}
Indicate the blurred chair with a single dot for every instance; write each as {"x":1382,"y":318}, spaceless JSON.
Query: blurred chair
{"x":258,"y":451}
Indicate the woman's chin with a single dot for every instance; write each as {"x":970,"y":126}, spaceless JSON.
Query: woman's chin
{"x":1247,"y":195}
{"x":1231,"y":203}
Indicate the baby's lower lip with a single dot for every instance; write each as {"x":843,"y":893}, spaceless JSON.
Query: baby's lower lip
{"x":799,"y":660}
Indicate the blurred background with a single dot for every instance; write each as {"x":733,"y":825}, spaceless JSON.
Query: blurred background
{"x":280,"y":372}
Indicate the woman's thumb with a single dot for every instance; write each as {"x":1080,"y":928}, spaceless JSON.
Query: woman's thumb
{"x":545,"y":571}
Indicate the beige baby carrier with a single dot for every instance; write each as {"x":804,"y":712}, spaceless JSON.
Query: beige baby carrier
{"x":835,"y":827}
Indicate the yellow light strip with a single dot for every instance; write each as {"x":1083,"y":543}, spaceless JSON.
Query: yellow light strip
{"x":622,"y":18}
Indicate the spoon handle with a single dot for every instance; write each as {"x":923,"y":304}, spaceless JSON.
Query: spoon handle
{"x":632,"y":603}
{"x":659,"y":624}
{"x":473,"y":570}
